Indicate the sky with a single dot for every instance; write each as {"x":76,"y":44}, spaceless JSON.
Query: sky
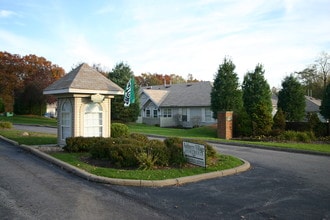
{"x":170,"y":36}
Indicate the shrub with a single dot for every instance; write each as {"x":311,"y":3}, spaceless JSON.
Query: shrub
{"x":139,"y":137}
{"x":297,"y":136}
{"x":120,"y":151}
{"x":174,"y":146}
{"x":80,"y":144}
{"x":118,"y":130}
{"x":279,"y":121}
{"x":158,"y":149}
{"x":147,"y":160}
{"x":5,"y":125}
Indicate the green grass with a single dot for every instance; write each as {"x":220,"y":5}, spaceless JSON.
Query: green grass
{"x":323,"y":148}
{"x":210,"y":133}
{"x":34,"y":138}
{"x":225,"y":162}
{"x":205,"y":132}
{"x":30,"y":119}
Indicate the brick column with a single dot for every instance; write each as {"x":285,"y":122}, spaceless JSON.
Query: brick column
{"x":225,"y":125}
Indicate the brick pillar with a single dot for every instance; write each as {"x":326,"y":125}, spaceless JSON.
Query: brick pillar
{"x":225,"y":125}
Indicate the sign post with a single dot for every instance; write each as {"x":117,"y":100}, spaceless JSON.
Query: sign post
{"x":195,"y":153}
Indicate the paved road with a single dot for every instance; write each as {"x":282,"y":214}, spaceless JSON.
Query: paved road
{"x":31,"y":188}
{"x":280,"y":185}
{"x":50,"y":130}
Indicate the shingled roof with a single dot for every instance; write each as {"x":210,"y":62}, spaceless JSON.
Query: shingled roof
{"x":84,"y":79}
{"x":181,"y":95}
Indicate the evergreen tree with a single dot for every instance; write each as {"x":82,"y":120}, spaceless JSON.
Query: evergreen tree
{"x":325,"y":104}
{"x":120,"y":75}
{"x":257,"y":101}
{"x":279,"y":120}
{"x":225,"y":94}
{"x":291,"y":99}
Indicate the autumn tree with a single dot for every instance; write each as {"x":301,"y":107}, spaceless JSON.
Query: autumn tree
{"x":120,"y":75}
{"x":225,"y":94}
{"x":10,"y":68}
{"x":29,"y":74}
{"x":291,"y":99}
{"x":148,"y":79}
{"x":257,"y":101}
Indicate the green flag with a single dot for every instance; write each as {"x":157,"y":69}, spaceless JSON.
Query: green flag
{"x":129,"y":96}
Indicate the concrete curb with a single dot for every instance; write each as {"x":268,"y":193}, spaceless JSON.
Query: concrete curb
{"x":129,"y":182}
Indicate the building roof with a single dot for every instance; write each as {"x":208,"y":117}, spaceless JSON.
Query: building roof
{"x":180,"y":95}
{"x":156,"y":96}
{"x":84,"y":79}
{"x":312,"y":104}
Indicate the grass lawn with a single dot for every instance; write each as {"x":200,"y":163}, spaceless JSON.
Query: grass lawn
{"x":34,"y":138}
{"x":225,"y":162}
{"x":204,"y":133}
{"x":210,"y":133}
{"x":30,"y":119}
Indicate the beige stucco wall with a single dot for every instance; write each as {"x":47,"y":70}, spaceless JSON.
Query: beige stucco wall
{"x":78,"y":103}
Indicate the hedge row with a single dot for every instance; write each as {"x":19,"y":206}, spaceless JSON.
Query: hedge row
{"x":135,"y":150}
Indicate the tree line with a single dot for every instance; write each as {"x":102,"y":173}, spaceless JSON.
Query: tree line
{"x":22,"y":80}
{"x":251,"y":101}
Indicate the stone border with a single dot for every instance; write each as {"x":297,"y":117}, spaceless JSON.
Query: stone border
{"x":129,"y":182}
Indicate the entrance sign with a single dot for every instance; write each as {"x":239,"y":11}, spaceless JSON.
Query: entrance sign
{"x":195,"y":153}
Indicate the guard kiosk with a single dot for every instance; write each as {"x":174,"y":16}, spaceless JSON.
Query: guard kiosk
{"x":83,"y":103}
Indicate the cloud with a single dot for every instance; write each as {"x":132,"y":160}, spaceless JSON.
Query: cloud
{"x":6,"y":13}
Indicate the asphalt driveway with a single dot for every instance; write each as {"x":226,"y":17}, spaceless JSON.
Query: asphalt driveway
{"x":280,"y":185}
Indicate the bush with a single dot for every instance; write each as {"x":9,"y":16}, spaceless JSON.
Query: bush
{"x":174,"y":146}
{"x":139,"y":137}
{"x":120,"y":151}
{"x":80,"y":144}
{"x":119,"y":130}
{"x":5,"y":125}
{"x":297,"y":136}
{"x":159,"y":149}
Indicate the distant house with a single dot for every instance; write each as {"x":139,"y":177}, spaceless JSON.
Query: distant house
{"x":312,"y":106}
{"x":186,"y":105}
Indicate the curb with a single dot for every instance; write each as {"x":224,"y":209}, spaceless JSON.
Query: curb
{"x":129,"y":182}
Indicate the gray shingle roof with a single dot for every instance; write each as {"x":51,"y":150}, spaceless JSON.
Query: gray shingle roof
{"x":84,"y":79}
{"x":183,"y":95}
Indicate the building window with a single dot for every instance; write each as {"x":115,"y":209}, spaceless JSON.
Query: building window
{"x":167,"y":113}
{"x":208,"y":115}
{"x":66,"y":114}
{"x":93,"y":123}
{"x":155,"y":113}
{"x":184,"y":114}
{"x":148,"y":113}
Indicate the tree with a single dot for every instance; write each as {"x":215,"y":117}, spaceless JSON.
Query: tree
{"x":291,"y":99}
{"x":10,"y":66}
{"x":225,"y":94}
{"x":279,"y":121}
{"x":323,"y":66}
{"x":257,"y":101}
{"x":325,"y":104}
{"x":120,"y":75}
{"x":148,"y":79}
{"x":311,"y":81}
